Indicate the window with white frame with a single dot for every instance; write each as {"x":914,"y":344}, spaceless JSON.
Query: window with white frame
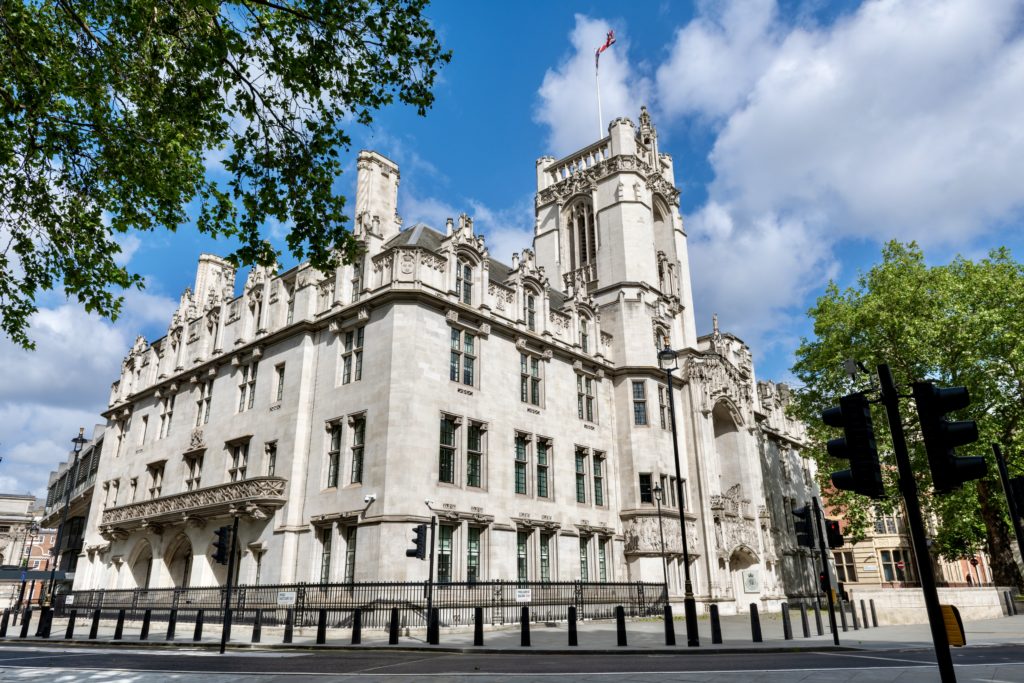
{"x":358,"y":425}
{"x":474,"y":455}
{"x":351,"y":533}
{"x":446,"y":454}
{"x":602,"y":559}
{"x":352,"y":356}
{"x":473,"y":538}
{"x":333,"y":453}
{"x":326,"y":541}
{"x":521,"y":461}
{"x":546,"y":551}
{"x":357,"y":280}
{"x":444,"y":552}
{"x":846,"y":568}
{"x":543,"y":468}
{"x":581,"y":475}
{"x":585,"y":398}
{"x":203,"y":403}
{"x":193,"y":470}
{"x":663,"y":406}
{"x":598,"y":471}
{"x":464,"y":281}
{"x":522,"y":556}
{"x":530,"y":387}
{"x":530,"y":310}
{"x":156,"y":478}
{"x":166,"y":414}
{"x":247,"y":386}
{"x":584,"y":558}
{"x":462,"y":364}
{"x":239,"y":463}
{"x":639,"y":403}
{"x":279,"y":382}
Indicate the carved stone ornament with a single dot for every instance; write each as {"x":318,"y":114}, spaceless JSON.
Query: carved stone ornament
{"x":364,"y":314}
{"x":452,"y":315}
{"x":196,"y":440}
{"x":408,"y":263}
{"x":485,"y":329}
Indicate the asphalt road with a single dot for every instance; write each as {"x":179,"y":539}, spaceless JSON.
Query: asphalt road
{"x":996,"y":663}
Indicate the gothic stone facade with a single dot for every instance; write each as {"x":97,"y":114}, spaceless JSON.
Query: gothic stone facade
{"x":524,"y":402}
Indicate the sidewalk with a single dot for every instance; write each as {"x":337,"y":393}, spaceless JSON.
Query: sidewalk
{"x":593,"y":636}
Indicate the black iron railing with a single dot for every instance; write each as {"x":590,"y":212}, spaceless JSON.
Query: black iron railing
{"x":501,"y":601}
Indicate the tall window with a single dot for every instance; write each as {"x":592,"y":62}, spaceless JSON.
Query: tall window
{"x":156,"y":479}
{"x":584,"y":335}
{"x":358,"y":442}
{"x":350,"y":553}
{"x":530,"y":380}
{"x":289,"y":315}
{"x":247,"y":387}
{"x":639,"y":403}
{"x":885,"y":523}
{"x":239,"y":461}
{"x":463,"y":357}
{"x":602,"y":559}
{"x":357,"y":280}
{"x":352,"y":356}
{"x":271,"y":451}
{"x":545,"y":556}
{"x":585,"y":397}
{"x":193,"y":471}
{"x":474,"y":456}
{"x":581,"y":222}
{"x":520,"y":465}
{"x":145,"y":428}
{"x":444,"y":553}
{"x":279,"y":376}
{"x":846,"y":568}
{"x":581,"y":475}
{"x":598,"y":479}
{"x":473,"y":554}
{"x":543,"y":451}
{"x":584,"y":564}
{"x":530,"y":312}
{"x":334,"y":454}
{"x":203,"y":403}
{"x":896,"y":565}
{"x":522,"y":559}
{"x":326,"y":536}
{"x":646,"y":490}
{"x":166,"y":413}
{"x":446,"y":457}
{"x":464,"y":282}
{"x":663,"y":406}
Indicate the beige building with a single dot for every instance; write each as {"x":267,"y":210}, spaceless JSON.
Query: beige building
{"x":23,"y":544}
{"x":520,"y":403}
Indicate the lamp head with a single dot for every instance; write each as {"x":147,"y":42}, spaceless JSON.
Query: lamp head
{"x":667,"y":359}
{"x":659,"y":492}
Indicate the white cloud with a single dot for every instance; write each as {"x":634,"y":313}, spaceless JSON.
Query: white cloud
{"x":568,"y":99}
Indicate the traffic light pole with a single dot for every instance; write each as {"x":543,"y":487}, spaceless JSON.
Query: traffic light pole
{"x":1011,"y":502}
{"x":818,"y":515}
{"x":908,"y":487}
{"x":430,"y":569}
{"x":231,"y":580}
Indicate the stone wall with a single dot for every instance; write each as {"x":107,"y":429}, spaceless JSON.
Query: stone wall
{"x":906,"y":605}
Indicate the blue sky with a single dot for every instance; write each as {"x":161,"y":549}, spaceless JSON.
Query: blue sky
{"x":805,"y":134}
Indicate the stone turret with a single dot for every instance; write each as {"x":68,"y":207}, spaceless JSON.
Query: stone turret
{"x":376,"y":197}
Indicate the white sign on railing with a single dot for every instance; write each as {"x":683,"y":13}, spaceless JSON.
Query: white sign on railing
{"x":524,"y":595}
{"x":286,"y":598}
{"x":69,"y":600}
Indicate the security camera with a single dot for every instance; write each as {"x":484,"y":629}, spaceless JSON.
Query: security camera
{"x":428,"y":503}
{"x":369,"y":498}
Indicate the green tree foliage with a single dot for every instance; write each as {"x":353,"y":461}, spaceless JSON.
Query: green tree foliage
{"x":958,"y":324}
{"x":111,"y":111}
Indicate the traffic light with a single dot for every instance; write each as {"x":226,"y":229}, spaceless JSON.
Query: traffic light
{"x":419,"y":540}
{"x":853,"y":416}
{"x":1017,"y":491}
{"x":222,"y":545}
{"x":942,"y":436}
{"x":824,"y":582}
{"x":804,"y":526}
{"x":833,"y":535}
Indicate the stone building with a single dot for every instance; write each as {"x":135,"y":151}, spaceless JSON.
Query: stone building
{"x":520,"y":403}
{"x":22,"y":543}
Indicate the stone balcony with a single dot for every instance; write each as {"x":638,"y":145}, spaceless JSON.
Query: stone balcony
{"x":257,"y":497}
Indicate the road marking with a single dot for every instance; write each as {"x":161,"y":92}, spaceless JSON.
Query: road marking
{"x":883,"y":659}
{"x":46,"y":656}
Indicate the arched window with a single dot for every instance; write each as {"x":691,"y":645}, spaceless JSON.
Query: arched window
{"x":530,"y":311}
{"x":584,"y":334}
{"x":583,"y":237}
{"x":464,"y":281}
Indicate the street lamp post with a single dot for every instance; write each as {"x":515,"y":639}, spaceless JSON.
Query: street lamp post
{"x":658,"y":493}
{"x":668,"y":361}
{"x":79,"y":441}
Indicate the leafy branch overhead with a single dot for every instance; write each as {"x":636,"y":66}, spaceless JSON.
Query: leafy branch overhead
{"x":112,"y":111}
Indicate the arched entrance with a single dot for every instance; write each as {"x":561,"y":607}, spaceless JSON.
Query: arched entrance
{"x":745,"y":576}
{"x":179,"y":562}
{"x":142,"y":565}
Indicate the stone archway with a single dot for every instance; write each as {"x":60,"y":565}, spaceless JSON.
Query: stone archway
{"x":141,"y":565}
{"x":179,"y":562}
{"x":745,"y":576}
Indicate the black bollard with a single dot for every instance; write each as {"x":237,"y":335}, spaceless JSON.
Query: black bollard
{"x":716,"y":625}
{"x":524,"y":626}
{"x":787,"y":627}
{"x":357,"y":627}
{"x":4,"y":622}
{"x":119,"y":628}
{"x":146,"y":616}
{"x":172,"y":624}
{"x":434,"y":627}
{"x":26,"y":619}
{"x":393,"y":627}
{"x":817,"y":619}
{"x":842,"y":615}
{"x":874,"y":615}
{"x":1013,"y":604}
{"x":1009,"y":604}
{"x":257,"y":626}
{"x":198,"y":634}
{"x":620,"y":625}
{"x":321,"y":627}
{"x":478,"y":626}
{"x":45,"y":621}
{"x":94,"y":628}
{"x":573,"y":638}
{"x":755,"y":624}
{"x":864,"y":613}
{"x":225,"y":628}
{"x":803,"y":620}
{"x":289,"y":625}
{"x":70,"y":632}
{"x":670,"y":626}
{"x":853,"y":616}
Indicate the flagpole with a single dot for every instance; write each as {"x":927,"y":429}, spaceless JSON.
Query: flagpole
{"x":600,"y":118}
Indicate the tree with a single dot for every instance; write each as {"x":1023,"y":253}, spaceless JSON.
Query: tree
{"x":958,"y":324}
{"x":111,"y":111}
